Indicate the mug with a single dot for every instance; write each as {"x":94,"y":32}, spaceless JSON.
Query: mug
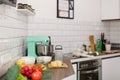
{"x":108,"y":47}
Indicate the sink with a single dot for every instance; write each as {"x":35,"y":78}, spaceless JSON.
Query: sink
{"x":82,"y":56}
{"x":76,"y":57}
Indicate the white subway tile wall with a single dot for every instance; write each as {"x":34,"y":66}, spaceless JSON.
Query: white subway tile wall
{"x":13,"y":30}
{"x":68,"y":33}
{"x":115,"y":31}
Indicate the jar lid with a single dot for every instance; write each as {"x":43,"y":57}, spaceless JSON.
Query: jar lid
{"x":58,"y":47}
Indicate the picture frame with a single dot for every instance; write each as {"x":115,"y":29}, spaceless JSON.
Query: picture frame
{"x":65,"y":9}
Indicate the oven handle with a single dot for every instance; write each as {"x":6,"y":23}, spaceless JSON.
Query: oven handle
{"x":90,"y":71}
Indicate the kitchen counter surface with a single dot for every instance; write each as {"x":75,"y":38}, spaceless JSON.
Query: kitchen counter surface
{"x":104,"y":56}
{"x":59,"y":74}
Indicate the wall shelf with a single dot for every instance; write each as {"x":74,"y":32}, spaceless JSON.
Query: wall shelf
{"x":26,"y":12}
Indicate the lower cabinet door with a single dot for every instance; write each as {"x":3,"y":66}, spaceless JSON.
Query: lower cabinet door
{"x":74,"y":76}
{"x":111,"y":69}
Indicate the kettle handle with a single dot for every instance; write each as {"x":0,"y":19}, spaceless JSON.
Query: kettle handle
{"x":58,"y":47}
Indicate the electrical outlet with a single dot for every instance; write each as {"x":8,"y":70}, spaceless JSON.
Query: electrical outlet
{"x":1,"y":60}
{"x":5,"y":68}
{"x":8,"y":57}
{"x":4,"y":59}
{"x":2,"y":46}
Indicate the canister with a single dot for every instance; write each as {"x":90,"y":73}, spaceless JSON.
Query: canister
{"x":58,"y":52}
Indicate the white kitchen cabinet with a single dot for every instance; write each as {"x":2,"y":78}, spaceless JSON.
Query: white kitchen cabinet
{"x":74,"y":76}
{"x":111,"y":69}
{"x":110,"y":9}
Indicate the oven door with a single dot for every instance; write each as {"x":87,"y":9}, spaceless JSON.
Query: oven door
{"x":92,"y":74}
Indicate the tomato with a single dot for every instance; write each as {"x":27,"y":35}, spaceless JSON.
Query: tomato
{"x":37,"y":75}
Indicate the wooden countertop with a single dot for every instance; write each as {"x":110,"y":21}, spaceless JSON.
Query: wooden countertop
{"x":2,"y":77}
{"x":101,"y":56}
{"x":59,"y":74}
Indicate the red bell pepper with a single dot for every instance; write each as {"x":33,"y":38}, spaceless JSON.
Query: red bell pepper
{"x":37,"y":67}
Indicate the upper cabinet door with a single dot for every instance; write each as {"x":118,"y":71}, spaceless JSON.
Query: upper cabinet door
{"x":110,"y":9}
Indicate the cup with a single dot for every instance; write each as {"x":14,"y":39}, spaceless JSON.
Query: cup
{"x":108,"y":47}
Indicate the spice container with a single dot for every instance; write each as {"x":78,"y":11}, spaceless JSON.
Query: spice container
{"x":25,"y":6}
{"x":20,"y":6}
{"x":58,"y":53}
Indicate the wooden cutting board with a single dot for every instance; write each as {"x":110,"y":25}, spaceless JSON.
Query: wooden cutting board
{"x":61,"y":73}
{"x":64,"y":65}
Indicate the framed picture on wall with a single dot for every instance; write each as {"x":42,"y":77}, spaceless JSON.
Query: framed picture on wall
{"x":65,"y":9}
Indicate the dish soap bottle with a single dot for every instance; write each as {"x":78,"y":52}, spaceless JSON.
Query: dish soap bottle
{"x":99,"y":46}
{"x":92,"y":44}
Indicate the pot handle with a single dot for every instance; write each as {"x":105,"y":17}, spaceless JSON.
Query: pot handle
{"x":37,"y":48}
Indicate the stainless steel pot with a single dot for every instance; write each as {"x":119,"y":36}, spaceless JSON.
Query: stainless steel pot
{"x":44,"y":50}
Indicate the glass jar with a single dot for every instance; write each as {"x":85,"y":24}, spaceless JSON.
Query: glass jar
{"x":58,"y":53}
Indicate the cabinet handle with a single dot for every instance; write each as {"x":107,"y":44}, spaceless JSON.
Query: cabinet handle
{"x":90,"y":71}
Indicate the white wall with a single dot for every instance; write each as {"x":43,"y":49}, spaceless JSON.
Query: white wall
{"x":68,"y":33}
{"x":13,"y":30}
{"x":85,"y":10}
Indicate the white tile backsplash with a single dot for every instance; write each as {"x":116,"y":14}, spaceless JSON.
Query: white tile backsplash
{"x":13,"y":30}
{"x":68,"y":33}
